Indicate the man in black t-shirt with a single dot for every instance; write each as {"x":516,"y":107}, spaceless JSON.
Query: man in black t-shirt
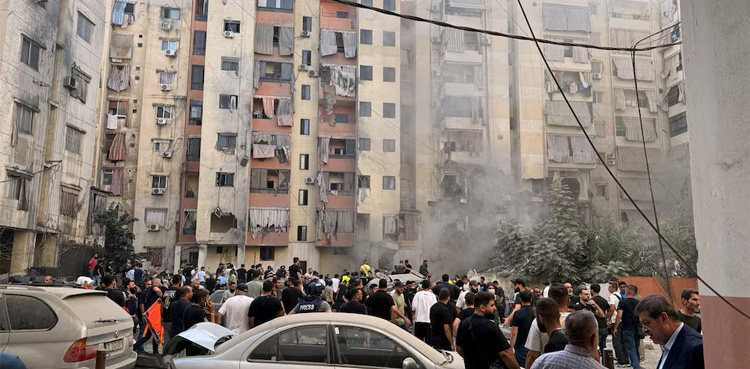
{"x":454,"y":291}
{"x":110,"y":286}
{"x":627,"y":321}
{"x":548,"y":322}
{"x":480,"y":341}
{"x":292,"y":294}
{"x":442,"y":317}
{"x":691,"y":307}
{"x":294,"y":270}
{"x":242,"y":274}
{"x":177,"y":309}
{"x":355,"y":305}
{"x":520,"y":326}
{"x":603,"y":304}
{"x":167,"y":299}
{"x":469,"y":310}
{"x":266,"y":307}
{"x":380,"y":304}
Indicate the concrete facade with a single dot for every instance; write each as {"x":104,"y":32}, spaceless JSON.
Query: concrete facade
{"x":51,"y":57}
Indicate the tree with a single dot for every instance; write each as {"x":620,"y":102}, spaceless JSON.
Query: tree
{"x":118,"y":238}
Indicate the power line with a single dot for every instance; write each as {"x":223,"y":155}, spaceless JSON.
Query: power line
{"x":495,"y":33}
{"x":638,"y":208}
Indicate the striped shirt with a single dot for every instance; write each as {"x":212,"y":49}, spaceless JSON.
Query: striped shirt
{"x":573,"y":357}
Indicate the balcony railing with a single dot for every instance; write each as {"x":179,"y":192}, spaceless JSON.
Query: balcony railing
{"x":338,"y":156}
{"x":269,"y":190}
{"x":643,"y":17}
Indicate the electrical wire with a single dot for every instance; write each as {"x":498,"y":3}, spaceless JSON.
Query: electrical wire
{"x":619,"y":184}
{"x":495,"y":33}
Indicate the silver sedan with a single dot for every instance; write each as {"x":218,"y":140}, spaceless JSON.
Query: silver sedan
{"x":318,"y":340}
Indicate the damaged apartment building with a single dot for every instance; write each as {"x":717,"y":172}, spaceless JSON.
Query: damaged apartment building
{"x":256,"y":131}
{"x":488,"y":114}
{"x":51,"y":60}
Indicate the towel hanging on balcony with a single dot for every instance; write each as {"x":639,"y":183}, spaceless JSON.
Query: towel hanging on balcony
{"x":286,"y":41}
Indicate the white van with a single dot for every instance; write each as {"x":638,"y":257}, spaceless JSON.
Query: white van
{"x":64,"y":327}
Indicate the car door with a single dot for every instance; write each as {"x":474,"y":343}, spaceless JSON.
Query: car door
{"x":4,"y":325}
{"x":359,"y":347}
{"x":306,"y":346}
{"x":32,"y":324}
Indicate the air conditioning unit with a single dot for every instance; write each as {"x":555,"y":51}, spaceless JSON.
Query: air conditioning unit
{"x":611,"y":159}
{"x":166,"y":87}
{"x":228,"y":34}
{"x":161,"y":121}
{"x":166,"y":26}
{"x":436,"y":73}
{"x":154,"y":227}
{"x":303,"y":67}
{"x":244,"y":160}
{"x":70,"y":83}
{"x":158,"y":191}
{"x":486,"y":41}
{"x":597,"y":76}
{"x":309,"y":180}
{"x":170,"y":52}
{"x":312,"y":73}
{"x":305,"y":33}
{"x":167,"y":154}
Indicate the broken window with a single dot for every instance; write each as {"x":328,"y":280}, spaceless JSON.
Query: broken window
{"x":224,"y":179}
{"x":73,"y":139}
{"x":363,"y":182}
{"x":24,"y":119}
{"x":267,"y":253}
{"x":189,"y":222}
{"x":226,"y":141}
{"x":228,"y":102}
{"x":17,"y":189}
{"x":69,"y":202}
{"x":232,"y":26}
{"x":230,"y":64}
{"x":222,"y":223}
{"x":161,"y":146}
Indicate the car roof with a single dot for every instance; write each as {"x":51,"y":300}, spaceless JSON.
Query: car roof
{"x":339,"y":318}
{"x":61,"y":292}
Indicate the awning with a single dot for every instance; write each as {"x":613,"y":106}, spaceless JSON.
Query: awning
{"x":466,"y":4}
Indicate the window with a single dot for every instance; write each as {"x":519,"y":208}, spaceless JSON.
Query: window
{"x":190,"y":223}
{"x":389,"y":74}
{"x":389,"y":38}
{"x":389,"y":5}
{"x":199,"y":43}
{"x":17,"y":186}
{"x":365,"y":73}
{"x":678,"y":124}
{"x":366,"y":2}
{"x":170,"y":13}
{"x":365,"y":36}
{"x":365,"y":109}
{"x":194,"y":149}
{"x":673,"y":95}
{"x":306,"y":57}
{"x":301,"y":233}
{"x":84,"y":27}
{"x":83,"y":79}
{"x":389,"y":183}
{"x":196,"y":113}
{"x":24,"y":119}
{"x":156,"y":255}
{"x":226,"y":141}
{"x":363,"y":182}
{"x":196,"y":75}
{"x":302,"y":197}
{"x":364,"y":144}
{"x":284,"y":6}
{"x":389,"y":110}
{"x":224,"y":179}
{"x":28,"y":313}
{"x":568,"y":49}
{"x":230,"y":64}
{"x":601,"y":190}
{"x":156,"y":217}
{"x":30,"y":53}
{"x":163,"y":111}
{"x":620,"y":128}
{"x":73,"y":138}
{"x":228,"y":102}
{"x":169,"y":45}
{"x":598,"y":97}
{"x":305,"y":92}
{"x":642,"y":99}
{"x":233,"y":26}
{"x":341,"y":118}
{"x":304,"y":161}
{"x":69,"y":202}
{"x":342,"y":15}
{"x":159,"y":182}
{"x":201,"y":11}
{"x":267,"y":253}
{"x":307,"y":24}
{"x":304,"y":126}
{"x":363,"y":347}
{"x":389,"y":145}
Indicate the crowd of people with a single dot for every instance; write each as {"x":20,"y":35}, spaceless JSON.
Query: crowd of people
{"x":557,"y":326}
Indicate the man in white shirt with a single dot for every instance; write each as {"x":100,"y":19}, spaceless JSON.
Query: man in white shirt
{"x":421,"y":304}
{"x":202,"y":275}
{"x":336,"y":281}
{"x":130,"y":274}
{"x":236,"y":309}
{"x":614,"y":300}
{"x":537,"y":339}
{"x":545,"y":291}
{"x":473,"y":286}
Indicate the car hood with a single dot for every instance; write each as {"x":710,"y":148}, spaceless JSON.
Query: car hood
{"x":453,"y":361}
{"x":206,"y":335}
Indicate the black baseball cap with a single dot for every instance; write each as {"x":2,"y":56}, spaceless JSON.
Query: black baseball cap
{"x":242,"y":287}
{"x":397,"y":284}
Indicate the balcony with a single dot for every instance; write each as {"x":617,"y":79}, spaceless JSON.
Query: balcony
{"x":268,"y":239}
{"x":459,"y":90}
{"x":461,"y":124}
{"x":338,"y":17}
{"x":269,"y":125}
{"x":466,"y":57}
{"x":338,"y":240}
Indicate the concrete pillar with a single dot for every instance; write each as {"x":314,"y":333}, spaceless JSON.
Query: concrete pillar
{"x":177,"y":257}
{"x":47,"y":256}
{"x":23,"y":252}
{"x":240,"y":256}
{"x":716,"y":52}
{"x":202,"y":252}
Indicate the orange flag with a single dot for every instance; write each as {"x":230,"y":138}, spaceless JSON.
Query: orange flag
{"x":153,"y":319}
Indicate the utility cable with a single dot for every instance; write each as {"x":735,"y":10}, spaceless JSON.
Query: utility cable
{"x":619,"y":184}
{"x":495,"y":33}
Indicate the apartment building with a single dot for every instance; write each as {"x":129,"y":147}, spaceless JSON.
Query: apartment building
{"x":50,"y":55}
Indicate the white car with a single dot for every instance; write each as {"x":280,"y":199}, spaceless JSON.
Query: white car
{"x":63,"y":327}
{"x":317,"y":340}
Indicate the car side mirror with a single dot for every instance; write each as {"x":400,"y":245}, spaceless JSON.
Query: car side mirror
{"x":409,"y":363}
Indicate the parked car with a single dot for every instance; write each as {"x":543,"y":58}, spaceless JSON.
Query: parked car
{"x":63,"y":327}
{"x":406,"y":277}
{"x":315,"y":340}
